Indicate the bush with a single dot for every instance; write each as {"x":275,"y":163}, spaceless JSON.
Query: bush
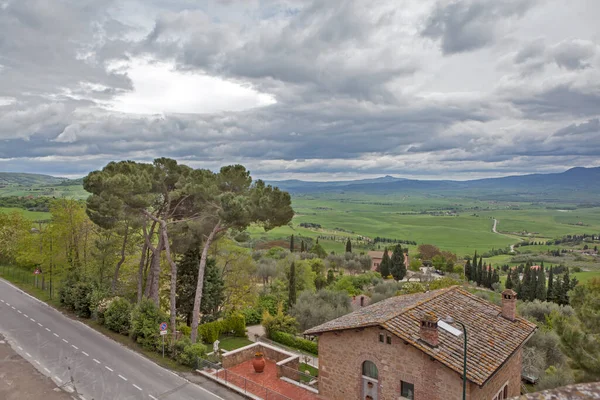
{"x":101,"y":310}
{"x":98,"y":296}
{"x":252,"y":316}
{"x":185,"y":330}
{"x":236,"y":324}
{"x":145,"y":319}
{"x":540,"y":310}
{"x":76,"y":296}
{"x":118,"y":316}
{"x":279,"y":323}
{"x":190,"y":354}
{"x":210,"y":331}
{"x":295,"y":342}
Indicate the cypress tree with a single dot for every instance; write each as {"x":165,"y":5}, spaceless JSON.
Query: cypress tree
{"x":526,"y":286}
{"x":292,"y":244}
{"x":495,"y":276}
{"x":397,"y":267}
{"x":564,"y":289}
{"x":330,"y":277}
{"x":490,"y":276}
{"x":550,"y":291}
{"x":480,"y":272}
{"x":384,"y":266}
{"x":348,"y":246}
{"x":292,"y":285}
{"x":509,"y":282}
{"x":540,"y":288}
{"x":468,"y":270}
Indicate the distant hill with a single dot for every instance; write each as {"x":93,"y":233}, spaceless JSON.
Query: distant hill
{"x":17,"y":178}
{"x":581,"y":185}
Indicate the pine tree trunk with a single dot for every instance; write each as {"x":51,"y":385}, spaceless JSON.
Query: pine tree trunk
{"x":199,"y":287}
{"x":140,"y":282}
{"x":173,"y":289}
{"x":121,"y":260}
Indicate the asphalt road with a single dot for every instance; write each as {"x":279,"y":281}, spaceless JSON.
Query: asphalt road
{"x":83,"y":361}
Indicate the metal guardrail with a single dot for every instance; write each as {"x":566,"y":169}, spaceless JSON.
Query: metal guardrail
{"x":244,"y":384}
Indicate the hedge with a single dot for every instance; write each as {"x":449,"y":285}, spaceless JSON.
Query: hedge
{"x":235,"y":323}
{"x":295,"y":342}
{"x":117,"y":316}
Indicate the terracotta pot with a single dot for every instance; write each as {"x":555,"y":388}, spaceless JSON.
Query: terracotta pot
{"x":259,"y":364}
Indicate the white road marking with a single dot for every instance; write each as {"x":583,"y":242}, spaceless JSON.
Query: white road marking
{"x":96,"y":361}
{"x":12,"y":307}
{"x":81,"y":397}
{"x":58,"y":379}
{"x":2,"y":300}
{"x":28,"y":355}
{"x":152,"y":397}
{"x":137,"y":387}
{"x":26,"y":316}
{"x":20,"y":348}
{"x":19,"y":311}
{"x":56,"y":335}
{"x":122,"y":377}
{"x":85,"y":354}
{"x":40,"y":324}
{"x":37,"y":362}
{"x":48,"y":330}
{"x":66,"y":341}
{"x":109,"y":368}
{"x":47,"y":370}
{"x":75,"y":347}
{"x":33,"y":320}
{"x":8,"y":304}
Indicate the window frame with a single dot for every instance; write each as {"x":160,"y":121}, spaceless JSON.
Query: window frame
{"x":402,"y":383}
{"x":374,"y":369}
{"x":502,"y":394}
{"x":381,"y":338}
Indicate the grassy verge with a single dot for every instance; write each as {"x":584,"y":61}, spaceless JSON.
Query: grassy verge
{"x":13,"y":275}
{"x":231,"y":343}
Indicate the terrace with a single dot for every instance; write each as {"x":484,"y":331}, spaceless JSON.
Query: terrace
{"x":280,"y":380}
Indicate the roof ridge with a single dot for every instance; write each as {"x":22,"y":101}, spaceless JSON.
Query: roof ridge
{"x":435,"y":296}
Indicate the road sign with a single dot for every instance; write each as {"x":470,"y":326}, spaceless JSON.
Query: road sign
{"x":162,"y":333}
{"x":36,"y":272}
{"x":163,"y":326}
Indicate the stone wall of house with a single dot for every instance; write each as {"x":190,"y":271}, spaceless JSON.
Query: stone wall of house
{"x":341,"y":355}
{"x":510,"y":372}
{"x":289,"y":368}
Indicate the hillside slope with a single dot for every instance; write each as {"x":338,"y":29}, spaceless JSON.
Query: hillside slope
{"x":17,"y":178}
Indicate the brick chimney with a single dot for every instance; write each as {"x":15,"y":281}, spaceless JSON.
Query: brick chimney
{"x":509,"y":304}
{"x":429,"y":329}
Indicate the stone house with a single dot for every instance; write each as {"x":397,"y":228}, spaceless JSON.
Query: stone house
{"x":395,"y":349}
{"x":359,"y":301}
{"x":377,"y":256}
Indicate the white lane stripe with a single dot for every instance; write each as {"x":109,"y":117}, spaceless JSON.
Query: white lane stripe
{"x":47,"y":370}
{"x":48,"y":330}
{"x":32,"y":320}
{"x":40,"y":325}
{"x":81,"y":397}
{"x":109,"y":368}
{"x":137,"y":387}
{"x":28,"y":355}
{"x":122,"y":377}
{"x":75,"y":347}
{"x":96,"y":361}
{"x":152,"y":397}
{"x":12,"y":307}
{"x":26,"y":316}
{"x":8,"y":304}
{"x":20,"y":348}
{"x":85,"y":354}
{"x":56,"y":335}
{"x":66,"y":341}
{"x":58,"y":379}
{"x":37,"y":362}
{"x":19,"y":311}
{"x":2,"y":300}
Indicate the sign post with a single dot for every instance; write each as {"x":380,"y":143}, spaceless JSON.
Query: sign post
{"x":163,"y":332}
{"x":36,"y":273}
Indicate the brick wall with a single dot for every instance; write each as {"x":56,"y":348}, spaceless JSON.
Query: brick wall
{"x":510,"y":372}
{"x":340,"y":369}
{"x":246,"y":353}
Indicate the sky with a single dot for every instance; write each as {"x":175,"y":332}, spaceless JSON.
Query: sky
{"x":299,"y":89}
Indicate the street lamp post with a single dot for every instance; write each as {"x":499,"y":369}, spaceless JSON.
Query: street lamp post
{"x":445,"y":325}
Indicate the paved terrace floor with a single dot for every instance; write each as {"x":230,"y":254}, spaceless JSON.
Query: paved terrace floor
{"x":267,"y":379}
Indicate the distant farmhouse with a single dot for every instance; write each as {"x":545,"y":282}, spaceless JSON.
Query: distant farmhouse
{"x":396,"y":349}
{"x":377,"y":256}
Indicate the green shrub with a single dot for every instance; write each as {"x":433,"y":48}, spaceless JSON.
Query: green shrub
{"x":295,"y":342}
{"x":76,"y":296}
{"x":145,"y":319}
{"x":210,"y":331}
{"x":252,"y":315}
{"x":118,"y":316}
{"x":236,"y":324}
{"x":101,"y":310}
{"x":279,"y":323}
{"x":98,"y":296}
{"x":185,"y":330}
{"x":190,"y":354}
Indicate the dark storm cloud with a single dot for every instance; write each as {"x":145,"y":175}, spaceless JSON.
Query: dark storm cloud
{"x":470,"y":25}
{"x":359,"y":88}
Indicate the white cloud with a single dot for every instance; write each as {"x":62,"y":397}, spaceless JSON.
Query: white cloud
{"x":159,"y":88}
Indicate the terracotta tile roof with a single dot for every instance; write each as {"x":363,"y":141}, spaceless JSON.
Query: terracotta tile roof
{"x":492,"y":339}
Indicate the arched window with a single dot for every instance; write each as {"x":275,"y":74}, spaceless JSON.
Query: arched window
{"x":369,"y":369}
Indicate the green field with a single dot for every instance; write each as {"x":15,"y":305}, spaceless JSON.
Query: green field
{"x":32,"y":215}
{"x":68,"y":191}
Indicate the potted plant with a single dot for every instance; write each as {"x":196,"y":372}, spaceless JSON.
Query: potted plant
{"x":259,"y":362}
